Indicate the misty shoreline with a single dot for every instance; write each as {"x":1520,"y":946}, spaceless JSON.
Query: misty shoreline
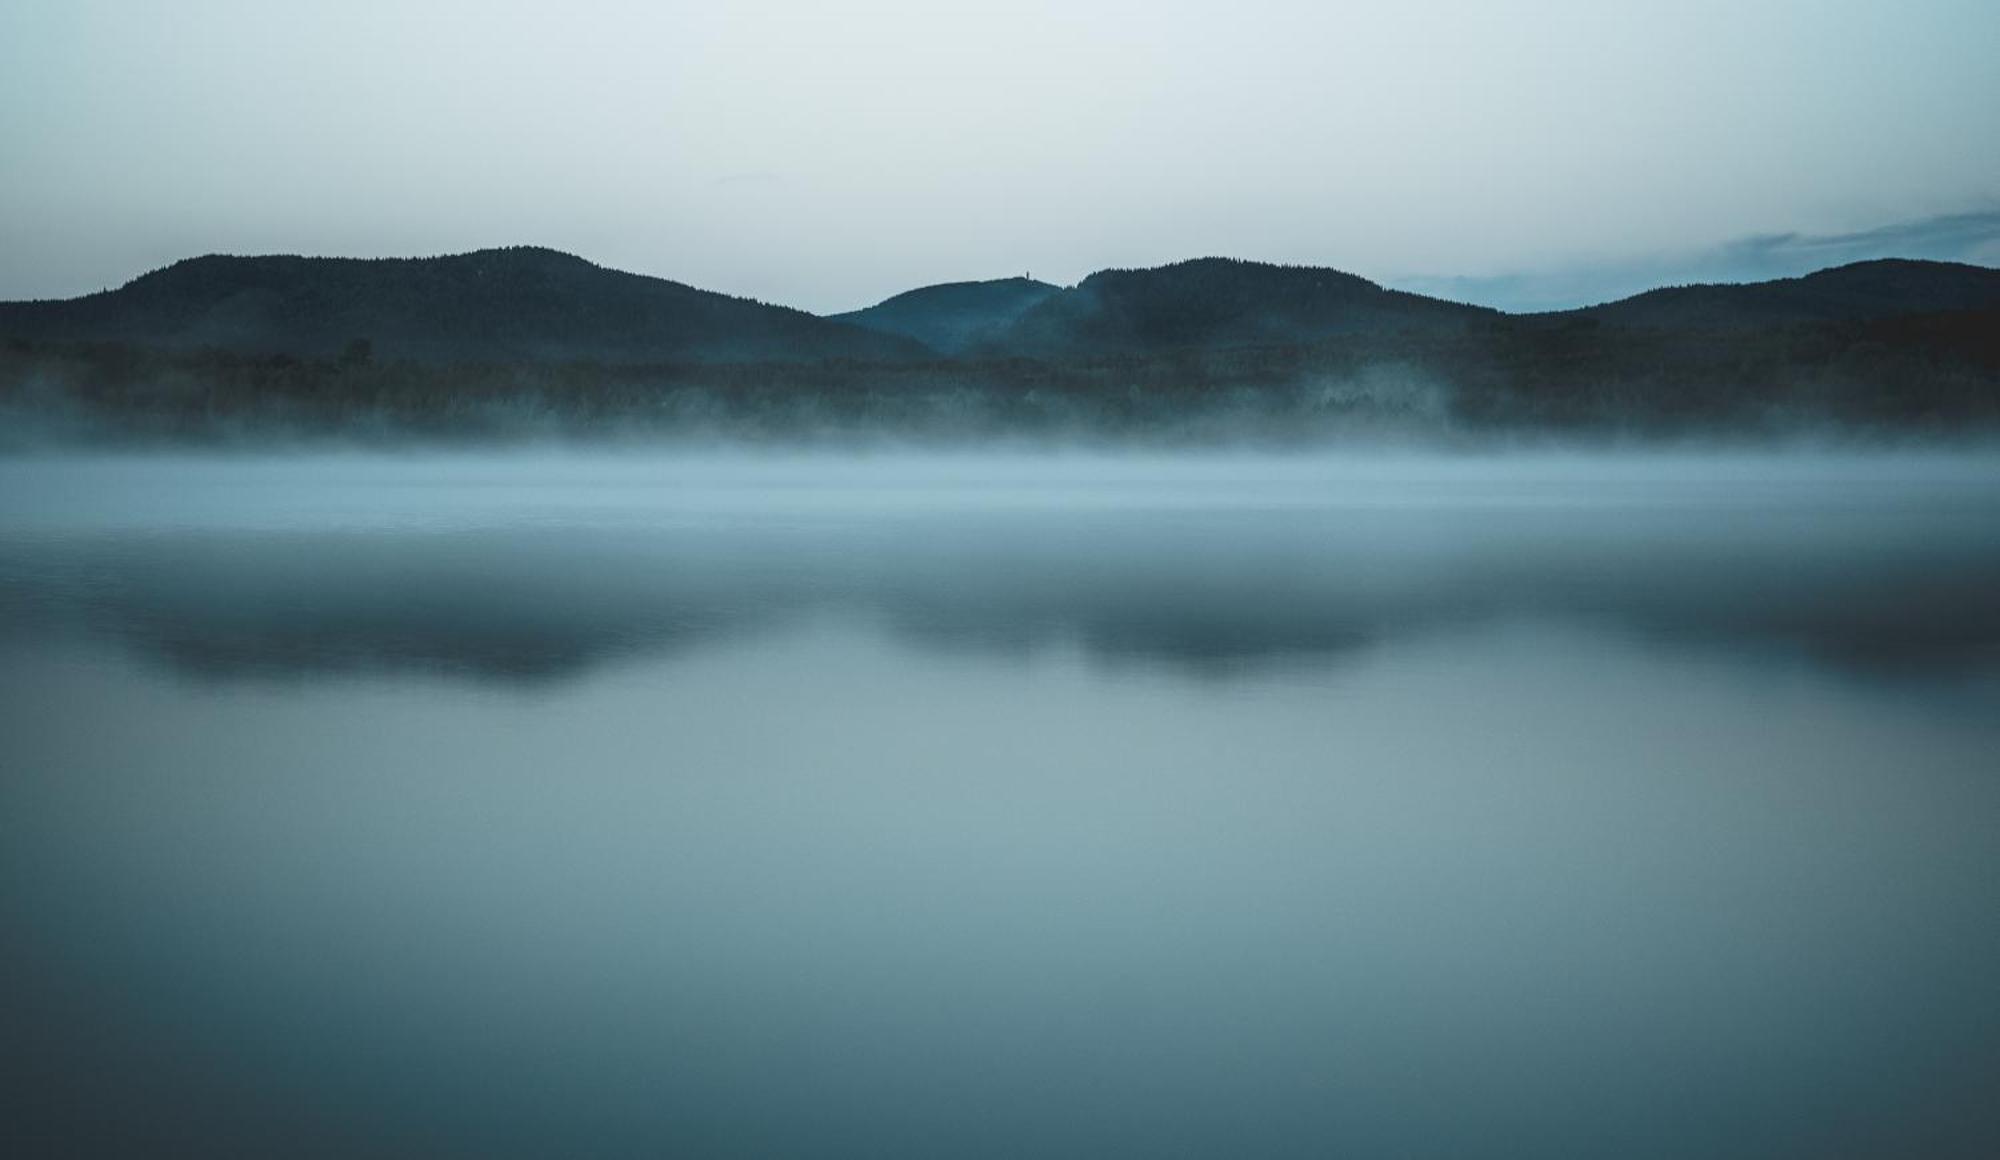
{"x":519,"y":345}
{"x":539,"y":566}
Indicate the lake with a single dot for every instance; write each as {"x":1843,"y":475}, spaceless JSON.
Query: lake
{"x":900,"y":805}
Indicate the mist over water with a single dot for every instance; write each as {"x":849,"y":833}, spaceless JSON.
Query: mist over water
{"x":1555,"y":804}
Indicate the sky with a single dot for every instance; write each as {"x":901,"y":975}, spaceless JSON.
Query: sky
{"x":826,"y":153}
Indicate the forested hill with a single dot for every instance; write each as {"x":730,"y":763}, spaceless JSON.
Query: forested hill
{"x":1223,"y":302}
{"x":524,"y":342}
{"x":504,"y":305}
{"x":955,"y":316}
{"x":1884,"y":288}
{"x":526,"y":304}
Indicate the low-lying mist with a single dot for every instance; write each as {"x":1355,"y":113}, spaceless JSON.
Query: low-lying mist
{"x":537,"y":566}
{"x":899,"y":805}
{"x":1802,"y":372}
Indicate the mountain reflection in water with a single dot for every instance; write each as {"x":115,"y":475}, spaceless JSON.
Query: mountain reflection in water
{"x":1559,"y":806}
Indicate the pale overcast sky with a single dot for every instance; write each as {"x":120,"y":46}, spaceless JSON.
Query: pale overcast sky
{"x":826,"y":154}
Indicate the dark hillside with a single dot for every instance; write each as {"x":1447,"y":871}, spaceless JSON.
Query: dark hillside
{"x":518,"y":304}
{"x":1212,"y":302}
{"x":955,"y":316}
{"x":1885,"y":288}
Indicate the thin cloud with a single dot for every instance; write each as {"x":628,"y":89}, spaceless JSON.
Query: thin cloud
{"x":1959,"y":237}
{"x":755,"y":177}
{"x":1950,"y":237}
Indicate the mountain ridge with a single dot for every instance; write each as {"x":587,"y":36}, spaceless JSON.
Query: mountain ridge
{"x":514,"y":303}
{"x":1872,"y":288}
{"x":535,"y":304}
{"x":951,"y":317}
{"x":1214,"y":301}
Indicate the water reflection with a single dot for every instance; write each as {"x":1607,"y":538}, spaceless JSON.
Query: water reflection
{"x":1908,"y":591}
{"x":1471,"y":819}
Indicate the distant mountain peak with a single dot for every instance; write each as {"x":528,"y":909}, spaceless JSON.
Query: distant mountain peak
{"x":535,"y":303}
{"x":1874,"y":288}
{"x":1216,"y":301}
{"x":514,"y":303}
{"x":953,"y":316}
{"x":1237,"y":269}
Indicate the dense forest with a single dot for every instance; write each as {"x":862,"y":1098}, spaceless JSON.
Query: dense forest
{"x":956,"y":316}
{"x":1201,"y":351}
{"x":520,"y":303}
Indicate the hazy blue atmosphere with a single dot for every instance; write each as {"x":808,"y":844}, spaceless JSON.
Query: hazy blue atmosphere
{"x":827,"y":155}
{"x":1562,"y":806}
{"x":902,"y":580}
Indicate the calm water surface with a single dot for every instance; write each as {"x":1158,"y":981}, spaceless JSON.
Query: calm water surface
{"x":899,"y":807}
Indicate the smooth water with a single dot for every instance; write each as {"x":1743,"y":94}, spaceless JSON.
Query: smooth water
{"x":533,"y":806}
